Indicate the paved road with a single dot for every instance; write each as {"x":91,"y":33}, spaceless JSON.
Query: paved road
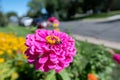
{"x":97,"y":29}
{"x":101,"y":30}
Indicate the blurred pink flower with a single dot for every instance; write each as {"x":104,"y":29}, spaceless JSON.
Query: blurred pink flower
{"x":53,"y":20}
{"x":116,"y":57}
{"x":50,"y":50}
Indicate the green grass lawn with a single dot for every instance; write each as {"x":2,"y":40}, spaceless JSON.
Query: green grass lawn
{"x":101,"y":15}
{"x":19,"y":30}
{"x":104,"y":15}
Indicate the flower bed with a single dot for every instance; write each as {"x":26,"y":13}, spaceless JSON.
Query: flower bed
{"x":11,"y":54}
{"x":90,"y":62}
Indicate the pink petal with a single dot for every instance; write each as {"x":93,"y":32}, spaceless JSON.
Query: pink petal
{"x":117,"y":58}
{"x":43,"y":59}
{"x":39,"y":66}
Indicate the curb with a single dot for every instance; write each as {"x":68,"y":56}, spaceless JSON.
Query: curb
{"x":110,"y":44}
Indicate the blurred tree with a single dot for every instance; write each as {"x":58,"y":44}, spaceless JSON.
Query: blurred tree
{"x":58,"y":8}
{"x":3,"y":20}
{"x":64,"y":9}
{"x":69,"y":7}
{"x":52,"y":6}
{"x":115,"y":5}
{"x":97,"y":5}
{"x":108,"y":5}
{"x":10,"y":14}
{"x":93,"y":5}
{"x":12,"y":17}
{"x":35,"y":7}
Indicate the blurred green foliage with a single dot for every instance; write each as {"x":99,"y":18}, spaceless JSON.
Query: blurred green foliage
{"x":91,"y":59}
{"x":63,"y":9}
{"x":3,"y":20}
{"x":10,"y":14}
{"x":66,"y":9}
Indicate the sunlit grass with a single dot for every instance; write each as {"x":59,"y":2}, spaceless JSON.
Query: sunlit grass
{"x":19,"y":30}
{"x":102,"y":15}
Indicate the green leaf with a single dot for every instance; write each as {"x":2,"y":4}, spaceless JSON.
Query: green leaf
{"x":64,"y":74}
{"x":51,"y":76}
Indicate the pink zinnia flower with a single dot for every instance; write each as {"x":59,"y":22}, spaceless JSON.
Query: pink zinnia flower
{"x":50,"y":50}
{"x":53,"y":20}
{"x":116,"y":57}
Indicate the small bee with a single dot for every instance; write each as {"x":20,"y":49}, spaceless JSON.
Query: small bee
{"x":58,"y":42}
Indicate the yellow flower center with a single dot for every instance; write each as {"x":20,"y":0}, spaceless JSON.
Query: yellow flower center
{"x":53,"y":39}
